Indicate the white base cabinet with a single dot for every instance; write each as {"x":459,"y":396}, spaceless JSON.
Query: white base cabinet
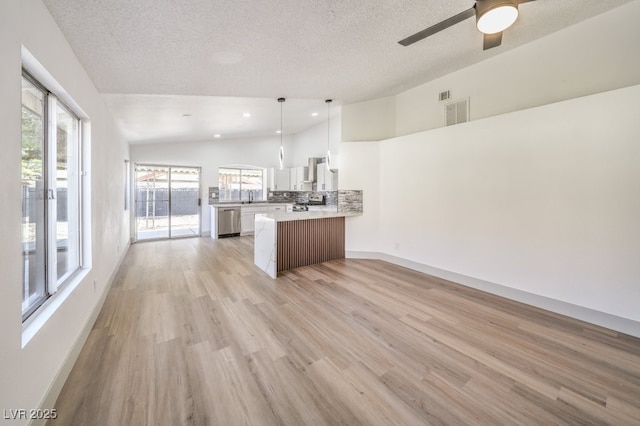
{"x":248,"y":215}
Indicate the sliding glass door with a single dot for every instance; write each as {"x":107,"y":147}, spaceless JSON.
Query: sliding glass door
{"x":167,"y":202}
{"x":185,"y":202}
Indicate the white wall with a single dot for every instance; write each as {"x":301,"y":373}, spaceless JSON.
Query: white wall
{"x":360,"y":169}
{"x":539,"y":194}
{"x":33,"y":375}
{"x":371,"y":120}
{"x":313,"y":141}
{"x":544,"y":200}
{"x":210,"y":155}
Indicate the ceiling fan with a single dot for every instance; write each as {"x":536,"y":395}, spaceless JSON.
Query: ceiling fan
{"x":492,"y":17}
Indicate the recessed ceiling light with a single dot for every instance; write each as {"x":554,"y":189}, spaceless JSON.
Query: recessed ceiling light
{"x":314,"y":114}
{"x":216,"y":135}
{"x":246,"y":115}
{"x":278,"y":131}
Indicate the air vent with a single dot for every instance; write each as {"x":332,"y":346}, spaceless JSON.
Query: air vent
{"x":456,"y":112}
{"x":445,"y":95}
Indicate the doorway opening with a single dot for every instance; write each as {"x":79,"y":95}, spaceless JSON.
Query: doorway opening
{"x":167,"y":202}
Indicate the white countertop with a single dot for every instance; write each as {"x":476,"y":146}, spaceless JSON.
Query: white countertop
{"x":284,"y":217}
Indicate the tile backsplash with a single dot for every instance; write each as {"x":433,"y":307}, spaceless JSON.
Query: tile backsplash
{"x":350,"y":201}
{"x":346,"y":201}
{"x":281,"y":197}
{"x":214,"y":194}
{"x":302,"y":197}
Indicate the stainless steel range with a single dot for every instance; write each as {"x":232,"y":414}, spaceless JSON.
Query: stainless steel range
{"x":317,"y":200}
{"x":313,"y":200}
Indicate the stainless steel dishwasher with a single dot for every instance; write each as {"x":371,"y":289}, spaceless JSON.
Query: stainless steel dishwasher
{"x":228,"y":221}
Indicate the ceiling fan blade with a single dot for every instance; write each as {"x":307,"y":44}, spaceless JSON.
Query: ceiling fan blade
{"x":438,"y":27}
{"x":492,"y":40}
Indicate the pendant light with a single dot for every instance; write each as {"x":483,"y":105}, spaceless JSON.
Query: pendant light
{"x":328,"y":161}
{"x":281,"y":154}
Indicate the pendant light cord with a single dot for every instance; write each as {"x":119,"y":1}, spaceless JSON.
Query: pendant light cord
{"x":328,"y":161}
{"x":281,"y":151}
{"x":328,"y":123}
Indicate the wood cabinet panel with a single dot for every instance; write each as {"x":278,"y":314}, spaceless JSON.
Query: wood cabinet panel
{"x":307,"y":242}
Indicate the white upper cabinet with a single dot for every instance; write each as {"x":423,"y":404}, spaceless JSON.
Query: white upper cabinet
{"x":326,"y":180}
{"x":279,"y":180}
{"x":298,"y":177}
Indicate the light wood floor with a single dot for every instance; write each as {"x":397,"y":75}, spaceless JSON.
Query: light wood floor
{"x":192,"y":333}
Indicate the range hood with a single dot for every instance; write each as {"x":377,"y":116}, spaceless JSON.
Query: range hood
{"x":313,"y":164}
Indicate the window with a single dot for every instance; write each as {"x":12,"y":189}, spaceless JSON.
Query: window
{"x":51,"y":189}
{"x":237,"y":184}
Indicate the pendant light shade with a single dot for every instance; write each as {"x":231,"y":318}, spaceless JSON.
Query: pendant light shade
{"x":328,"y":161}
{"x":494,"y":16}
{"x":281,"y":152}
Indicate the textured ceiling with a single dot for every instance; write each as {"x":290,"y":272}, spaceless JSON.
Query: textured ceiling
{"x":170,"y":118}
{"x":201,"y":54}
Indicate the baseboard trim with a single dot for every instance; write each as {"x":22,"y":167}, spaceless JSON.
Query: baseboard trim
{"x":622,"y":325}
{"x":61,"y":377}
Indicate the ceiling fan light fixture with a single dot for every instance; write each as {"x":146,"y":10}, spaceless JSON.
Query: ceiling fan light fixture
{"x":494,"y":16}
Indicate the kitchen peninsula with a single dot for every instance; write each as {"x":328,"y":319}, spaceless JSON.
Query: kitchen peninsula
{"x":286,"y":241}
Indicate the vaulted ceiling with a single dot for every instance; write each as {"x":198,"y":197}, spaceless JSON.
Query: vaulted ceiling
{"x":174,"y":70}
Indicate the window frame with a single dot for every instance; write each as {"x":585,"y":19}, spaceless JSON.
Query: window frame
{"x":45,"y":177}
{"x":242,"y":169}
{"x":53,"y":103}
